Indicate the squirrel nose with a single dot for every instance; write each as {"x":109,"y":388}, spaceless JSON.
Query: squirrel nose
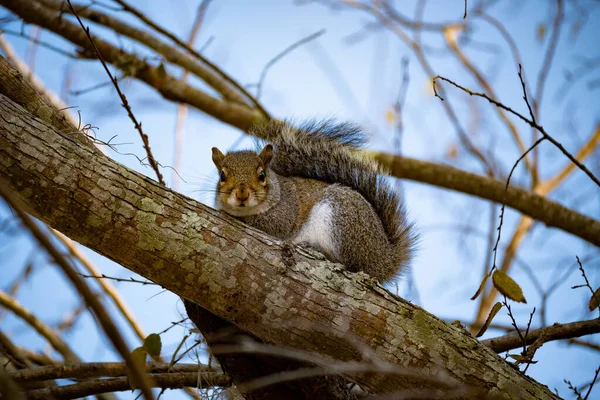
{"x":242,"y":194}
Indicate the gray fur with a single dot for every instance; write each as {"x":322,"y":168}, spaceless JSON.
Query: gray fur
{"x":317,"y":168}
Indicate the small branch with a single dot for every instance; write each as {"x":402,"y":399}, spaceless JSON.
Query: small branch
{"x":279,"y":56}
{"x":452,"y":43}
{"x":98,"y":369}
{"x":48,"y":333}
{"x":538,"y":207}
{"x":90,"y":298}
{"x":124,"y":101}
{"x":551,"y":333}
{"x":531,"y":123}
{"x":182,"y":107}
{"x":111,"y":278}
{"x":495,"y":250}
{"x":233,"y":113}
{"x":587,"y":283}
{"x":180,"y":43}
{"x":166,"y":380}
{"x":12,"y":352}
{"x":592,"y":384}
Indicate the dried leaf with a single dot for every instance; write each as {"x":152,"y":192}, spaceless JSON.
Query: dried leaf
{"x":452,"y":152}
{"x":139,"y":359}
{"x":520,"y":359}
{"x":595,"y":300}
{"x":508,"y":287}
{"x":517,"y":357}
{"x":159,"y":75}
{"x":489,"y":319}
{"x":390,"y":116}
{"x":452,"y":32}
{"x":481,"y":286}
{"x":541,"y":32}
{"x":153,"y":345}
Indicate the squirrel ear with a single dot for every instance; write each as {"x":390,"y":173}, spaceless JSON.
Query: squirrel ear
{"x":217,"y":157}
{"x":266,"y":155}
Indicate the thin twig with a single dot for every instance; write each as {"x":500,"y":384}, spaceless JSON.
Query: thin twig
{"x":279,"y":56}
{"x":531,"y":123}
{"x":592,"y":384}
{"x":124,"y":101}
{"x":178,"y":41}
{"x":182,"y":107}
{"x":98,"y":369}
{"x":44,"y":330}
{"x":130,"y":280}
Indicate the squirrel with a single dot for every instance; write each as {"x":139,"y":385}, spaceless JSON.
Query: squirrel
{"x":311,"y":186}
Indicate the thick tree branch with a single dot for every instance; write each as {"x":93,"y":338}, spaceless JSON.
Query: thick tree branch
{"x":535,"y":206}
{"x":240,"y":274}
{"x":169,"y":87}
{"x":531,"y":204}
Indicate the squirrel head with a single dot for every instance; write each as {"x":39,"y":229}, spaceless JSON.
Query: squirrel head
{"x":243,"y":180}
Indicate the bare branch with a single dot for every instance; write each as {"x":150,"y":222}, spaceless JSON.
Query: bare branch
{"x":550,"y":333}
{"x":94,"y":370}
{"x":245,"y":258}
{"x":146,"y":20}
{"x":92,"y":301}
{"x":125,"y":103}
{"x":109,"y":289}
{"x":240,"y":116}
{"x":48,"y":333}
{"x":532,"y":123}
{"x":121,"y":384}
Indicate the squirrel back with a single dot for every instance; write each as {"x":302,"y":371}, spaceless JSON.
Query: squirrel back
{"x":319,"y":190}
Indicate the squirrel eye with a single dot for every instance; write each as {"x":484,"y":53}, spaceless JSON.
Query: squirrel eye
{"x":262,"y":176}
{"x":222,"y":176}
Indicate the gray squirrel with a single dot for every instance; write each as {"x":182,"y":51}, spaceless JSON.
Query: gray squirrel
{"x":311,"y":186}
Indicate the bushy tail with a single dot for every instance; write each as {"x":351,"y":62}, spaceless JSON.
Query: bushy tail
{"x":327,"y":151}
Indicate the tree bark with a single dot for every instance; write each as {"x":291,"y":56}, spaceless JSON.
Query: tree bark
{"x":538,"y":207}
{"x":290,"y":298}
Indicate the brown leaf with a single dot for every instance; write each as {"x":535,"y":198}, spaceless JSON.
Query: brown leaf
{"x":452,"y":152}
{"x":139,"y":359}
{"x":390,"y":116}
{"x":481,"y":286}
{"x":595,"y":300}
{"x":489,"y":319}
{"x":153,"y":345}
{"x":159,"y":75}
{"x":541,"y":32}
{"x":520,"y":359}
{"x":508,"y":287}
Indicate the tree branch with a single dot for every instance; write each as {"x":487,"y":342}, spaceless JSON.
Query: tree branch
{"x":531,"y":204}
{"x":537,"y":207}
{"x":168,"y":86}
{"x":549,"y":333}
{"x":168,"y":51}
{"x":97,"y":369}
{"x":121,"y":384}
{"x":242,"y":275}
{"x":44,"y":330}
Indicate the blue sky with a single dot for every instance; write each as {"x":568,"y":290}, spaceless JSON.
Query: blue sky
{"x":359,"y":82}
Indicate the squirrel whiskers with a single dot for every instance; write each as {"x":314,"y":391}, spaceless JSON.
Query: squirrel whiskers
{"x":311,"y":186}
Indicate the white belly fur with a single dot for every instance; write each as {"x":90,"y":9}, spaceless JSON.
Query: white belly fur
{"x":317,"y":231}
